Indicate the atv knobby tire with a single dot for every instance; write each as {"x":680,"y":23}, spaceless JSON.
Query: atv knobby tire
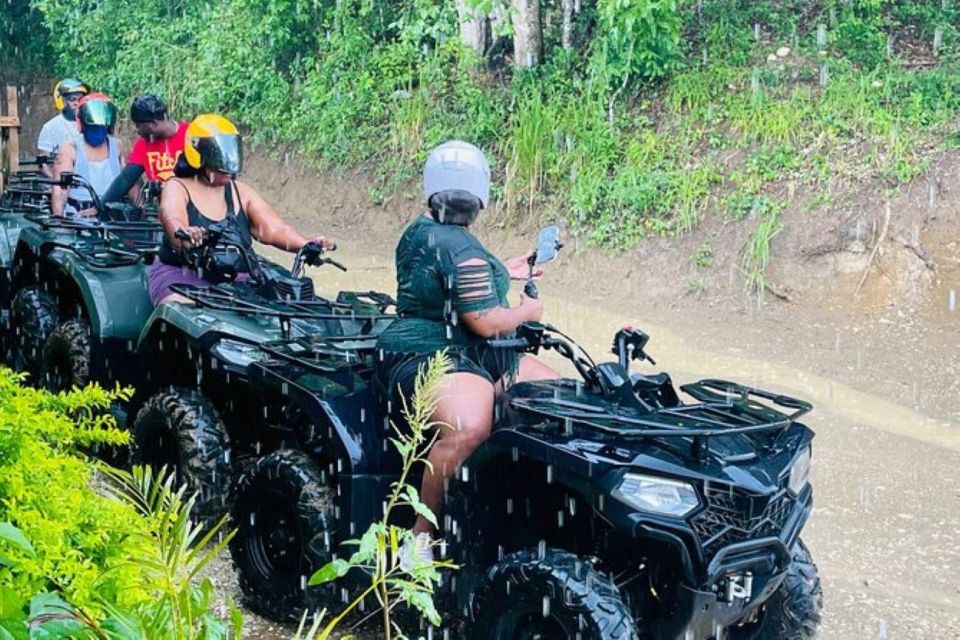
{"x":549,"y":595}
{"x":66,"y":357}
{"x":181,"y":430}
{"x":34,"y":316}
{"x":283,"y":515}
{"x":793,"y":612}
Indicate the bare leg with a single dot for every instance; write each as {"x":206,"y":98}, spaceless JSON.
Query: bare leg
{"x":176,"y":297}
{"x":532,"y":369}
{"x":466,"y":404}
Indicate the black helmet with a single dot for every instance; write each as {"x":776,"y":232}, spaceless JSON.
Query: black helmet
{"x":147,"y":108}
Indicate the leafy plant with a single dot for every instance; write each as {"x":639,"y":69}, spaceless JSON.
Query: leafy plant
{"x":77,"y":561}
{"x":378,"y":550}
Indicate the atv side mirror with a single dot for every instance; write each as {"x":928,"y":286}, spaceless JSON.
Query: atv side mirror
{"x":548,"y":244}
{"x":628,"y":345}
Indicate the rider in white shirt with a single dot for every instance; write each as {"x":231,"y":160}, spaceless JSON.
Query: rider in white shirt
{"x":63,"y":127}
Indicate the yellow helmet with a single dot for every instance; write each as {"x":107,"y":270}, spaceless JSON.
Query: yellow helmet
{"x":65,"y":86}
{"x":212,"y":141}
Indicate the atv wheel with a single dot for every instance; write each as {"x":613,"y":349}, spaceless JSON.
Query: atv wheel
{"x":34,"y":316}
{"x":793,"y":611}
{"x":283,"y":516}
{"x":180,"y":429}
{"x":66,"y":357}
{"x":530,"y":595}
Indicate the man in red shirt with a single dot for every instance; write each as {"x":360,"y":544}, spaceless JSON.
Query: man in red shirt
{"x":155,"y":152}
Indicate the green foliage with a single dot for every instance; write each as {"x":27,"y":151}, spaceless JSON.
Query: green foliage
{"x":756,"y":257}
{"x":23,"y":41}
{"x":74,"y":534}
{"x":624,"y":136}
{"x":637,"y":39}
{"x":169,"y":565}
{"x":378,"y":550}
{"x":74,"y":560}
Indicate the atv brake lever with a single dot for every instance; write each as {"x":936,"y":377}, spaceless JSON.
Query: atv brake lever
{"x":335,"y":263}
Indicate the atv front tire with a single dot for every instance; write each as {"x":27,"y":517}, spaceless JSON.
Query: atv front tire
{"x":283,"y":515}
{"x":793,"y":612}
{"x":66,"y":357}
{"x":34,"y":316}
{"x":549,"y":595}
{"x":181,"y":430}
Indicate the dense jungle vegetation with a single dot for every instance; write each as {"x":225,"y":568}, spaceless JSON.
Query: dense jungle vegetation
{"x":616,"y":116}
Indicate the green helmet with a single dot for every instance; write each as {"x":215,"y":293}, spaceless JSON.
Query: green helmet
{"x":97,"y":109}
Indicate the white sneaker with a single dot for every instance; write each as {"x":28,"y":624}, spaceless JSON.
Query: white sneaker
{"x":416,"y":552}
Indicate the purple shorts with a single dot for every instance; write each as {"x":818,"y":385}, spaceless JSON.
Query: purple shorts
{"x":163,"y":276}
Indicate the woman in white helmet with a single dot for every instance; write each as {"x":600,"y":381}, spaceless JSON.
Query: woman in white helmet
{"x":452,"y":295}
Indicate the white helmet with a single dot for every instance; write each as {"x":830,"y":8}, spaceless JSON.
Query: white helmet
{"x":457,"y":165}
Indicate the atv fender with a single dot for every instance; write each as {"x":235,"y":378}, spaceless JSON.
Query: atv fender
{"x":115,"y":299}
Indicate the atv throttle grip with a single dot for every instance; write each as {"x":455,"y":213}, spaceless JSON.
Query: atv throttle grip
{"x":508,"y":343}
{"x":530,"y":290}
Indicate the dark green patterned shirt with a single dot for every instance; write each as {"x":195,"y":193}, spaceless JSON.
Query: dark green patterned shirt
{"x":434,"y":287}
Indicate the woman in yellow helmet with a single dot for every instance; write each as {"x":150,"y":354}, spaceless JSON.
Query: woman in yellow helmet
{"x":205,"y":192}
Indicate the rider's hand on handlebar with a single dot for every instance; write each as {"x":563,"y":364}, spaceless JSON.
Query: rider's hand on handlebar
{"x":90,"y":212}
{"x":328,"y":244}
{"x":532,"y":307}
{"x":194,"y":236}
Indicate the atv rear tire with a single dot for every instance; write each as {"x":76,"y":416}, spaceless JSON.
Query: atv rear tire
{"x":66,"y":357}
{"x":793,"y":612}
{"x":34,"y":316}
{"x":550,"y":595}
{"x":181,"y":430}
{"x":283,"y":515}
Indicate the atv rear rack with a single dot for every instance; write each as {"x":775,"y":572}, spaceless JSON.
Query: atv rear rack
{"x":344,"y":351}
{"x":285,"y":311}
{"x":316,"y":309}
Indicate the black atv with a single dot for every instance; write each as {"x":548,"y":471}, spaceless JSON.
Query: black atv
{"x":198,"y":410}
{"x":76,"y":294}
{"x":600,"y":507}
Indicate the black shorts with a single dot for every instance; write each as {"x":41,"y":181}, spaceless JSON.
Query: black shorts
{"x":397,"y":372}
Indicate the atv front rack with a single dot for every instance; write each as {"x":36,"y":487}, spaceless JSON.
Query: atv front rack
{"x":725,"y":408}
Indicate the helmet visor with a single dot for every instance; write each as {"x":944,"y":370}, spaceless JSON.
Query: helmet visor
{"x":98,"y":112}
{"x":222,"y":152}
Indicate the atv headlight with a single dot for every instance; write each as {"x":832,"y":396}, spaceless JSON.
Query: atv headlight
{"x":238,"y":354}
{"x":800,"y":472}
{"x":657,"y":495}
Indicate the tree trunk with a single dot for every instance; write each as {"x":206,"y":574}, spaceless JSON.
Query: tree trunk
{"x":527,"y":33}
{"x":474,"y":28}
{"x":567,"y":37}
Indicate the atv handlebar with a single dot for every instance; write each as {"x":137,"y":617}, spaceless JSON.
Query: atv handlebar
{"x":312,"y":254}
{"x":67,"y":180}
{"x":533,"y":336}
{"x":39,"y":161}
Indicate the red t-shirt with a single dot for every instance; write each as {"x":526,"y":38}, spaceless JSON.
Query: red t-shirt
{"x":159,"y":157}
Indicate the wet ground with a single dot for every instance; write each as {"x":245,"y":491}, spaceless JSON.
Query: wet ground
{"x":885,"y":530}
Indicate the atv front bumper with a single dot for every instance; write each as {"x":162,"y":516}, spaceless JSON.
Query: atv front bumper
{"x":729,"y":588}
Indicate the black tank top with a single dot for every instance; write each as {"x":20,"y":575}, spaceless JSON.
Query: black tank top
{"x":238,"y":219}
